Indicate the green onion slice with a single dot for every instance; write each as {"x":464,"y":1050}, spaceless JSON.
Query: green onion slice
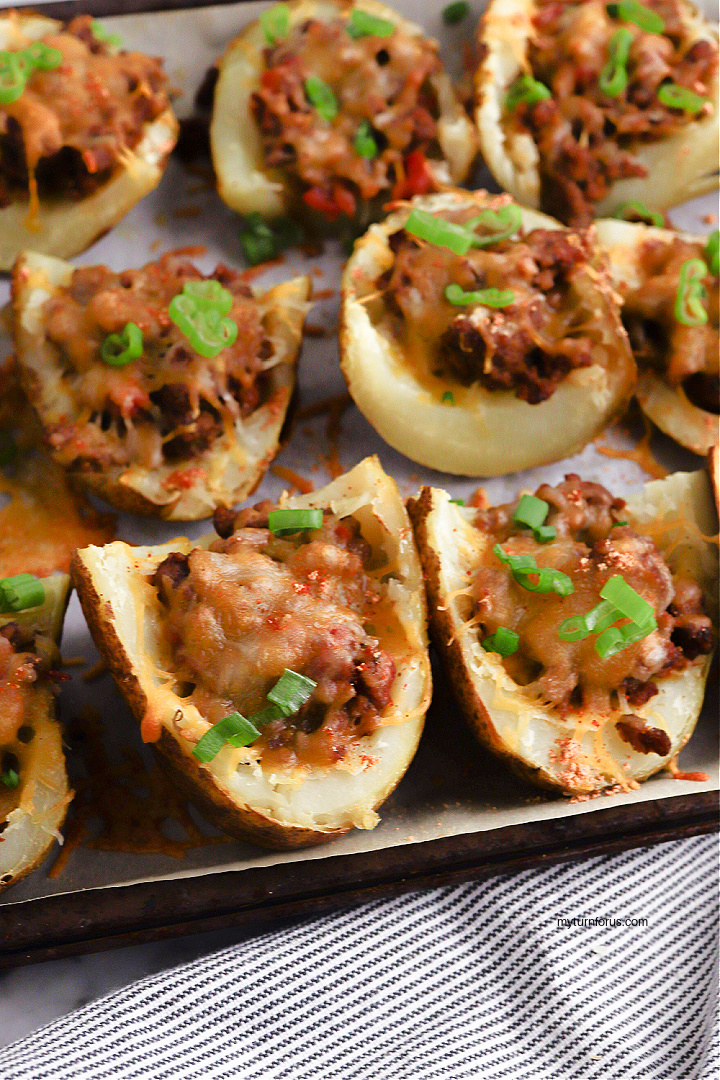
{"x":578,"y":627}
{"x":544,"y":534}
{"x":291,"y":691}
{"x":101,"y":34}
{"x":275,"y":23}
{"x":495,"y":298}
{"x":458,"y":502}
{"x":120,"y":349}
{"x":10,"y":778}
{"x":534,"y":578}
{"x":455,"y":13}
{"x":503,"y":641}
{"x":365,"y":145}
{"x":321,"y":97}
{"x":526,"y":90}
{"x":712,"y":252}
{"x":12,"y":77}
{"x":639,"y":209}
{"x":448,"y":398}
{"x":20,"y":592}
{"x":262,"y":240}
{"x":503,"y":224}
{"x":616,"y":638}
{"x":287,"y":522}
{"x":436,"y":230}
{"x":614,"y":77}
{"x":679,"y":97}
{"x":531,"y":511}
{"x":42,"y":56}
{"x":363,"y":24}
{"x":209,"y":295}
{"x":689,"y":308}
{"x":628,"y":602}
{"x":8,"y":448}
{"x":618,"y":524}
{"x":234,"y":728}
{"x":635,"y":12}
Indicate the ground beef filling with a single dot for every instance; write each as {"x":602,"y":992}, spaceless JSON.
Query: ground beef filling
{"x":170,"y":404}
{"x":684,"y":356}
{"x":529,"y":346}
{"x":382,"y":88}
{"x":590,"y":548}
{"x":253,"y":605}
{"x":70,"y":127}
{"x":584,"y":137}
{"x":27,"y":660}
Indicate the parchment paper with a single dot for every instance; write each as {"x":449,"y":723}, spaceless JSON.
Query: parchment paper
{"x":452,"y":787}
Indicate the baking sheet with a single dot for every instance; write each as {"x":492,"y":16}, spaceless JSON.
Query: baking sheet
{"x":452,"y":787}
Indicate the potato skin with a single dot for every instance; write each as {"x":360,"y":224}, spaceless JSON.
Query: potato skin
{"x":658,"y":505}
{"x":225,"y":810}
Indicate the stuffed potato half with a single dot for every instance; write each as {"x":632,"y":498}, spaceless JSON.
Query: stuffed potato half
{"x":249,"y":184}
{"x":480,"y":399}
{"x":662,"y":171}
{"x":33,"y":810}
{"x":206,"y":440}
{"x":591,"y":739}
{"x":274,"y":792}
{"x":75,"y":210}
{"x":677,"y":356}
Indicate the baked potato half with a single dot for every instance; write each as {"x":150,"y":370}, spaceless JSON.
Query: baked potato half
{"x":561,"y":715}
{"x":315,"y":776}
{"x":474,"y":389}
{"x":382,"y":117}
{"x":174,"y":432}
{"x":676,"y":351}
{"x":68,"y":174}
{"x":34,"y":793}
{"x":577,"y":151}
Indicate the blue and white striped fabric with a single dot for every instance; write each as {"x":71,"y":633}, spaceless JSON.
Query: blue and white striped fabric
{"x":486,"y":980}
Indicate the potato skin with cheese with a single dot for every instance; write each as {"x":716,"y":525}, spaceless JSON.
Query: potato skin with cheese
{"x":112,"y":584}
{"x":31,"y":827}
{"x":245,"y":183}
{"x":531,"y":737}
{"x":229,"y":470}
{"x":64,"y":227}
{"x":678,"y":167}
{"x":484,"y":432}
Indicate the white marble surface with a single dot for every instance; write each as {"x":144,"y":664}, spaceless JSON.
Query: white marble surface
{"x":33,"y":996}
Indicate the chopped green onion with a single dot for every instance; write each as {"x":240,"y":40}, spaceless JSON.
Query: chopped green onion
{"x":618,"y":524}
{"x":503,"y":224}
{"x":42,"y":56}
{"x":365,"y":145}
{"x":198,"y":314}
{"x":458,"y":502}
{"x":436,"y":230}
{"x":712,"y":252}
{"x":503,"y":641}
{"x":614,"y":77}
{"x":531,"y":511}
{"x":12,"y":77}
{"x":616,"y":638}
{"x":275,"y":23}
{"x":321,"y":97}
{"x":544,"y":534}
{"x":455,"y":13}
{"x":689,"y":309}
{"x":679,"y":97}
{"x":209,"y":295}
{"x":234,"y":728}
{"x":628,"y":602}
{"x":262,"y":240}
{"x":10,"y":778}
{"x":635,"y":12}
{"x":578,"y":627}
{"x":526,"y":90}
{"x":20,"y":592}
{"x":363,"y":24}
{"x":448,"y":398}
{"x":495,"y":298}
{"x":287,"y":522}
{"x":267,"y":715}
{"x":524,"y":567}
{"x":120,"y":349}
{"x":291,"y":691}
{"x":8,"y":448}
{"x":101,"y":34}
{"x":639,"y":209}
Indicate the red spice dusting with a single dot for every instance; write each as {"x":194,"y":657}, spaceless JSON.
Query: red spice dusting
{"x":184,"y":478}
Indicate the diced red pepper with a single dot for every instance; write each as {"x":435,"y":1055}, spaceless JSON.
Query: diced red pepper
{"x":418,"y":177}
{"x":331,"y":204}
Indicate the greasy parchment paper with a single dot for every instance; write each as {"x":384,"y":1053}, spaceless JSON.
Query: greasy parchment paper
{"x":452,"y":787}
